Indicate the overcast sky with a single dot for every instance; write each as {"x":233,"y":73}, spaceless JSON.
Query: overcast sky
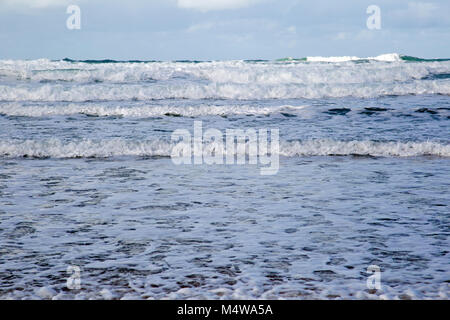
{"x":221,"y":29}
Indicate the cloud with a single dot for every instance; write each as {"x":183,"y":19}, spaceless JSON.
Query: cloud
{"x":32,"y":3}
{"x":237,"y":26}
{"x":209,"y":5}
{"x":422,"y":10}
{"x":341,"y":36}
{"x":201,"y":27}
{"x":421,"y":14}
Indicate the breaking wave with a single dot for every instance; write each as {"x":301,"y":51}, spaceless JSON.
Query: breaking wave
{"x":15,"y":109}
{"x":267,"y":72}
{"x":56,"y":148}
{"x":390,"y":57}
{"x":311,"y":77}
{"x":81,"y":93}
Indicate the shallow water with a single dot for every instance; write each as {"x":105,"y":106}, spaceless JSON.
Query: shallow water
{"x":86,"y":180}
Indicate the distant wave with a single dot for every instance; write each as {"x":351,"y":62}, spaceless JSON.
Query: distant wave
{"x":319,"y":77}
{"x":56,"y":148}
{"x":389,"y":57}
{"x":416,"y":59}
{"x":93,"y":61}
{"x":384,"y":57}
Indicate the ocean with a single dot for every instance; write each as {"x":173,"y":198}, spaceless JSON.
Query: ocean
{"x":93,"y":205}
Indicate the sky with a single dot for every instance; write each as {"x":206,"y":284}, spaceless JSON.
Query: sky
{"x":222,"y":29}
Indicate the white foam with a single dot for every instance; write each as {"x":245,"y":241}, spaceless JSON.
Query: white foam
{"x":193,"y":90}
{"x":389,"y":57}
{"x":44,"y":80}
{"x":224,"y":71}
{"x":324,"y":147}
{"x":16,"y":109}
{"x":56,"y":148}
{"x":45,"y":293}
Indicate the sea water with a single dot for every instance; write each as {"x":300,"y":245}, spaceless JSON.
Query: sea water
{"x":87,"y":182}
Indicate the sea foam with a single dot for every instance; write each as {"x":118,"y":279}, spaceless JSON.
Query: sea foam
{"x":16,"y":109}
{"x":197,"y":91}
{"x":87,"y":148}
{"x":317,"y":77}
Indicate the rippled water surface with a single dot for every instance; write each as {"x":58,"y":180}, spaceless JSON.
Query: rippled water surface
{"x":86,"y":180}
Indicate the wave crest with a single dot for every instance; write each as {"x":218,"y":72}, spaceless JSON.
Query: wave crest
{"x":82,"y":93}
{"x":45,"y":80}
{"x":86,"y":148}
{"x":15,"y":109}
